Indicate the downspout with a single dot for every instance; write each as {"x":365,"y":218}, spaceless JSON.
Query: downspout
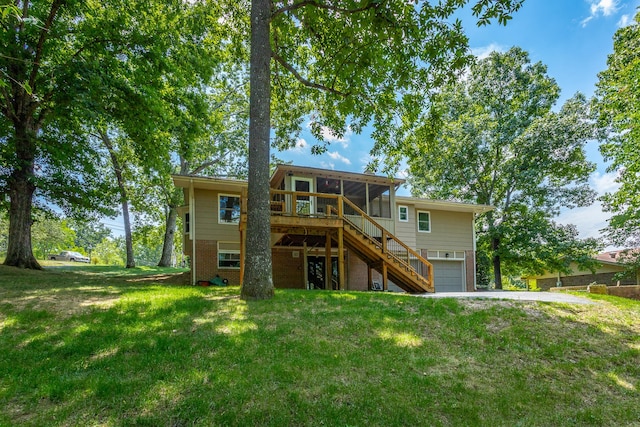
{"x":192,"y":230}
{"x":475,"y":275}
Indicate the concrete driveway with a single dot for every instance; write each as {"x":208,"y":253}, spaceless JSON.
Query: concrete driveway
{"x":517,"y":295}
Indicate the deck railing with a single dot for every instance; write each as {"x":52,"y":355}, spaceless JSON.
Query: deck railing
{"x":322,"y":205}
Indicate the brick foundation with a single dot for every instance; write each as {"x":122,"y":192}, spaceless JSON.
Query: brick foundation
{"x":584,"y":280}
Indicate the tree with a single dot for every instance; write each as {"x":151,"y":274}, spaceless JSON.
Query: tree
{"x":618,"y":107}
{"x":492,"y":138}
{"x":70,"y":65}
{"x":343,"y":63}
{"x":89,"y":234}
{"x":51,"y":234}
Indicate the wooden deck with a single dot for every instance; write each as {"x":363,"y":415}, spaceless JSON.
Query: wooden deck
{"x":346,"y":226}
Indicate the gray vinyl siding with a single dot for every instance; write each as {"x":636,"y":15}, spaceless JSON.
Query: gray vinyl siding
{"x":449,"y":230}
{"x":207,"y":226}
{"x":406,"y":231}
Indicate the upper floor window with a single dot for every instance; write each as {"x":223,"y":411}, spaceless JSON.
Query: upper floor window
{"x":228,"y":209}
{"x":403,"y":213}
{"x":424,"y":221}
{"x":186,"y":223}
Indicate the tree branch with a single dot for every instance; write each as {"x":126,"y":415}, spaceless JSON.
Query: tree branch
{"x":304,"y":81}
{"x":319,"y":5}
{"x":43,"y":36}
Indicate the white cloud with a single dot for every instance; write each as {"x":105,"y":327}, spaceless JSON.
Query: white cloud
{"x":600,"y":8}
{"x":591,"y":219}
{"x":300,"y":147}
{"x":483,"y":51}
{"x":337,"y":156}
{"x":327,"y":165}
{"x":604,"y":183}
{"x":625,"y":20}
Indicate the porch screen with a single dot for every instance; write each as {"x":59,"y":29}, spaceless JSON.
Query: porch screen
{"x":379,"y":201}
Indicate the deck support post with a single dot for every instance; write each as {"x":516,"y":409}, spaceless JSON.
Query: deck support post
{"x":327,"y":262}
{"x":369,"y":278}
{"x":341,"y":278}
{"x":305,"y":265}
{"x":384,"y":276}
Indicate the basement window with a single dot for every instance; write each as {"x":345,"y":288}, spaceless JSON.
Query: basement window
{"x":229,"y":255}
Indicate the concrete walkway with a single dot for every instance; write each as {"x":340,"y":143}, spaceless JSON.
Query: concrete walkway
{"x":514,"y":295}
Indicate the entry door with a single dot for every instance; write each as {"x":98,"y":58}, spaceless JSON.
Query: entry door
{"x":304,"y":204}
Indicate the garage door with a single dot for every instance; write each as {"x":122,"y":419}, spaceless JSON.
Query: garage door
{"x":448,"y":276}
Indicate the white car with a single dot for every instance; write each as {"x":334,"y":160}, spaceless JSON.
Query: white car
{"x":69,"y":256}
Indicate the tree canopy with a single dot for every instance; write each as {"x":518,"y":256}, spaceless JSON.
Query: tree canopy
{"x":72,"y":67}
{"x":342,"y":63}
{"x":618,"y":107}
{"x":492,"y":138}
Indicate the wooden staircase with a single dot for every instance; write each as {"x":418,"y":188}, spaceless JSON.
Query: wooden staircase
{"x":354,"y":230}
{"x":384,"y":252}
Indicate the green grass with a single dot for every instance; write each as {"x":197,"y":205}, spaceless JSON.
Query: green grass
{"x":89,"y":347}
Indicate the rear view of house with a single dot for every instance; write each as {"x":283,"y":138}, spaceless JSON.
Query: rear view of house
{"x":333,"y":230}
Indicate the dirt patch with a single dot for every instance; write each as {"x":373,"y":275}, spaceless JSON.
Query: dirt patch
{"x":168,"y":279}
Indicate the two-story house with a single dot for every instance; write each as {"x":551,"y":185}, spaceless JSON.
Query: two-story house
{"x":333,"y":230}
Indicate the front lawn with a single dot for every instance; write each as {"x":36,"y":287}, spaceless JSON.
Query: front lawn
{"x":99,"y":348}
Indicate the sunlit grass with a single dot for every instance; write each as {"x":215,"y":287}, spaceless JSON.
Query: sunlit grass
{"x":102,"y":349}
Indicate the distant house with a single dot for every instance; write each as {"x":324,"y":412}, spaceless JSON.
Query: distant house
{"x":333,"y":230}
{"x":605,"y":274}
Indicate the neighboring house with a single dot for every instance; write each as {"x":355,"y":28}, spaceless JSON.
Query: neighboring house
{"x":605,"y":274}
{"x":373,"y":238}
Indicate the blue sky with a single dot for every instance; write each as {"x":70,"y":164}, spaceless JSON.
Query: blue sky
{"x":571,"y":37}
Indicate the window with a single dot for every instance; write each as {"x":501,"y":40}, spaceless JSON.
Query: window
{"x":186,"y":223}
{"x":403,"y":214}
{"x":228,"y":209}
{"x":424,"y":222}
{"x":228,"y":255}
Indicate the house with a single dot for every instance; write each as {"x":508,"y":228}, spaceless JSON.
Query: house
{"x":609,"y":267}
{"x":333,"y":230}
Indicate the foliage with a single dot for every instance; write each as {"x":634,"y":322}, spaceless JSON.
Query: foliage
{"x":51,"y":235}
{"x":109,"y":252}
{"x":93,"y":348}
{"x":344,"y":64}
{"x":76,"y":67}
{"x":618,"y":107}
{"x":89,"y":233}
{"x":492,"y":138}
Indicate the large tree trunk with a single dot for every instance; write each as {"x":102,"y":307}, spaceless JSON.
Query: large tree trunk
{"x":258,"y":280}
{"x":169,"y":233}
{"x":124,"y":200}
{"x":497,"y":272}
{"x":21,"y":189}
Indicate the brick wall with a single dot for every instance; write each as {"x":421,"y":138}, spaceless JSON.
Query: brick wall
{"x":357,"y":274}
{"x":207,"y":263}
{"x":470,"y":257}
{"x":603,"y":278}
{"x":288,"y":272}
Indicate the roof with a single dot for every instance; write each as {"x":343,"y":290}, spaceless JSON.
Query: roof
{"x":230,"y":184}
{"x":282,"y":170}
{"x":613,"y":257}
{"x":207,"y":183}
{"x":445,"y":205}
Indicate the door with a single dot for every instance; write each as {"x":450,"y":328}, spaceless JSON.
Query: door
{"x":448,"y":276}
{"x":316,"y":272}
{"x":304,"y":204}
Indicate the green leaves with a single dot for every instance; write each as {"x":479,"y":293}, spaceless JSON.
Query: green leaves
{"x":492,"y":138}
{"x":618,"y":111}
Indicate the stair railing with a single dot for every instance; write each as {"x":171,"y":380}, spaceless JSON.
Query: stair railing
{"x":388,"y":243}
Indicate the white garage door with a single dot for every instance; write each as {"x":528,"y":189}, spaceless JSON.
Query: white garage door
{"x":448,"y":276}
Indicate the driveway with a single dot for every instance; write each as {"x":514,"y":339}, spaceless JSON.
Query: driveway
{"x":518,"y":295}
